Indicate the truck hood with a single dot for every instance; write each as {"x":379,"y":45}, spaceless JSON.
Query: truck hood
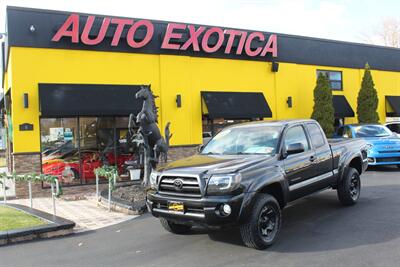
{"x":212,"y":164}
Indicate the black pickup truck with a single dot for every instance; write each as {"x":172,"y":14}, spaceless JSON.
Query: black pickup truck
{"x":249,"y":172}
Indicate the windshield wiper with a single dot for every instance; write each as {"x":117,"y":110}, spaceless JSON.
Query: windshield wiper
{"x":211,"y":153}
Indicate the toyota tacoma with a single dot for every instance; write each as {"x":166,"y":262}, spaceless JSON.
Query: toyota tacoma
{"x":246,"y":174}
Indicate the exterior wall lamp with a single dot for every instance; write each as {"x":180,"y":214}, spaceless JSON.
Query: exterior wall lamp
{"x":289,"y":102}
{"x":275,"y":66}
{"x":26,"y":100}
{"x":178,"y":101}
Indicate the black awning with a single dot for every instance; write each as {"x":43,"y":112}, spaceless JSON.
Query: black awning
{"x":342,"y":107}
{"x":67,"y":100}
{"x":394,"y":102}
{"x":236,"y":105}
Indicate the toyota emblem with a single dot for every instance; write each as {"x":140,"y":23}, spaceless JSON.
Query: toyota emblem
{"x":178,"y":184}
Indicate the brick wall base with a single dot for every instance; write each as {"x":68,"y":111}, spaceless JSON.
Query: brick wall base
{"x":31,"y":163}
{"x":28,"y":163}
{"x":178,"y":152}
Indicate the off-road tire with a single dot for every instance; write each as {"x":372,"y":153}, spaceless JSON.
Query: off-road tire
{"x":345,"y":190}
{"x":174,"y":227}
{"x":251,"y":230}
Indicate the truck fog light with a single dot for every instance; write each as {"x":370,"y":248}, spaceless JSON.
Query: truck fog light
{"x":226,"y":209}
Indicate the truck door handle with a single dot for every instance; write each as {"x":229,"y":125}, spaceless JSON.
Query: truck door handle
{"x":312,"y":158}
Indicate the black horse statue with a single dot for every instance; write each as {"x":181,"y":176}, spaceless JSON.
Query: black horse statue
{"x":147,"y":121}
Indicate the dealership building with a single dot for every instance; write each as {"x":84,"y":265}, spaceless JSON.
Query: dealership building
{"x":70,"y":81}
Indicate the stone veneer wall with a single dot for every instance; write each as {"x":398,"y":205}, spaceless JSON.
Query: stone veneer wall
{"x":31,"y":163}
{"x":178,"y":152}
{"x":28,"y":163}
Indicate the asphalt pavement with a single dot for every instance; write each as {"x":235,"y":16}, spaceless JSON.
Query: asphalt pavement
{"x":317,"y":231}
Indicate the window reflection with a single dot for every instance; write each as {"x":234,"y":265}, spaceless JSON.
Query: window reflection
{"x":72,"y":148}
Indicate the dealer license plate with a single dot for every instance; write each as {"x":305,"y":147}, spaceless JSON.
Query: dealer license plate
{"x":176,"y":206}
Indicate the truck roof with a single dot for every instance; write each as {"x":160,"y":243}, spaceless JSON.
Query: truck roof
{"x":274,"y":122}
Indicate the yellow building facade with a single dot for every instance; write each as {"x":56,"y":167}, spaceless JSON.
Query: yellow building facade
{"x":171,"y":75}
{"x":286,"y":79}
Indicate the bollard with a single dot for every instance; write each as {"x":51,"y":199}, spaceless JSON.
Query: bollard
{"x":97,"y":187}
{"x":30,"y":193}
{"x":115,"y":179}
{"x":4,"y":190}
{"x":54,"y":199}
{"x":109,"y":195}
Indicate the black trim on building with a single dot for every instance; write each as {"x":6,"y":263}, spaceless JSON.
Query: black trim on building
{"x":236,"y":105}
{"x":70,"y":100}
{"x":342,"y":107}
{"x":394,"y":102}
{"x":291,"y":48}
{"x":3,"y":63}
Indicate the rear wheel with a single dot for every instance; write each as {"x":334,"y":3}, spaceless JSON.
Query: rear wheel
{"x":349,"y":188}
{"x":174,"y":227}
{"x":398,"y":166}
{"x":263,"y":226}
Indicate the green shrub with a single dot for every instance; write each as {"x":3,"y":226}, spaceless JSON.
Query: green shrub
{"x":323,"y":110}
{"x":367,"y":100}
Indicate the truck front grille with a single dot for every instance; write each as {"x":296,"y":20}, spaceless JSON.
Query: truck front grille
{"x":182,"y":186}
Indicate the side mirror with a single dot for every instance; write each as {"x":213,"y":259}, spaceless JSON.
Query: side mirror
{"x":200,"y":148}
{"x":295,"y":148}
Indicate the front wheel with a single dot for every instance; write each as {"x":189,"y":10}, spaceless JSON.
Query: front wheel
{"x":263,"y":226}
{"x":349,"y":188}
{"x":174,"y":227}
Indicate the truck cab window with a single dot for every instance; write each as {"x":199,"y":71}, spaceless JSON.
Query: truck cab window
{"x":317,"y":139}
{"x":296,"y":134}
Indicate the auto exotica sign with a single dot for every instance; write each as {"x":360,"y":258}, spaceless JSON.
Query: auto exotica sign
{"x":177,"y":36}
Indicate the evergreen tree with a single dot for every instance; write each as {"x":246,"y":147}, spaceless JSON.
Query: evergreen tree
{"x":323,"y":110}
{"x":367,"y":100}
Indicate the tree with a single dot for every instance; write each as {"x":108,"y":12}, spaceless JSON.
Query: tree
{"x":387,"y":33}
{"x":367,"y":100}
{"x":323,"y":110}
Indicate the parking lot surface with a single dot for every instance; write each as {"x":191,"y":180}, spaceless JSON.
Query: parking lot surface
{"x":317,"y":231}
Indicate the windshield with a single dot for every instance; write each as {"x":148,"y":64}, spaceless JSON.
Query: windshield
{"x":372,"y":131}
{"x":245,"y":140}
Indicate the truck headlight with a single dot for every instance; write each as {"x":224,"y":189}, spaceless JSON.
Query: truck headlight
{"x":221,"y":183}
{"x":154,"y":179}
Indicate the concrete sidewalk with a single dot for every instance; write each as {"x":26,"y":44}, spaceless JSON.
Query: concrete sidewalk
{"x":85,"y":213}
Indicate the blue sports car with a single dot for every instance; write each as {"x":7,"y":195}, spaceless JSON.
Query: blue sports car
{"x":384,"y":144}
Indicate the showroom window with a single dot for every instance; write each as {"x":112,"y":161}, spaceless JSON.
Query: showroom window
{"x":335,"y":78}
{"x":72,"y":148}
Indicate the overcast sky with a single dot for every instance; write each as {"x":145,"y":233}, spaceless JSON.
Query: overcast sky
{"x":346,"y":20}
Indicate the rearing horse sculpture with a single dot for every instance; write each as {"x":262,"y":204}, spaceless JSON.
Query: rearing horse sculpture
{"x":147,"y":121}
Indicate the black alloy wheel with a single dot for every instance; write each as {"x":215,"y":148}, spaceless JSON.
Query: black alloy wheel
{"x":349,"y":188}
{"x":262,"y":227}
{"x":354,"y":186}
{"x":268,"y":222}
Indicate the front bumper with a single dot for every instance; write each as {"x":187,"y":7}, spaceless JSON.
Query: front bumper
{"x":377,"y":159}
{"x":204,"y":211}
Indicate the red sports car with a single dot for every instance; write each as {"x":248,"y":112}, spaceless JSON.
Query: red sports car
{"x":66,"y":166}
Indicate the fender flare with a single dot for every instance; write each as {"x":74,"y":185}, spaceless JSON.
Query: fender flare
{"x":276,"y":177}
